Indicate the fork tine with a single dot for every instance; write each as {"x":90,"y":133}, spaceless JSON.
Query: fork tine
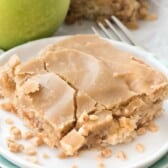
{"x":95,"y":30}
{"x":124,"y":30}
{"x":114,"y":30}
{"x":104,"y":30}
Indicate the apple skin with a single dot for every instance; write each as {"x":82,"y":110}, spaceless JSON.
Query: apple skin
{"x":25,"y":20}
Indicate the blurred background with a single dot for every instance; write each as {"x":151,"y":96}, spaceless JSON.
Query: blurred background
{"x":22,"y":21}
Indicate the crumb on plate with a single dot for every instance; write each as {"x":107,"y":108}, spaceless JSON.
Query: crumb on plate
{"x":101,"y":165}
{"x":14,"y":146}
{"x":33,"y":159}
{"x":152,"y":127}
{"x":141,"y":131}
{"x":45,"y":156}
{"x":30,"y":151}
{"x":140,"y":148}
{"x":9,"y":121}
{"x":62,"y":155}
{"x":74,"y":166}
{"x":106,"y":153}
{"x":121,"y":155}
{"x":151,"y":17}
{"x":15,"y":133}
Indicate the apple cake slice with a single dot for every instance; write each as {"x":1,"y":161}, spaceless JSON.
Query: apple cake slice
{"x":82,"y":92}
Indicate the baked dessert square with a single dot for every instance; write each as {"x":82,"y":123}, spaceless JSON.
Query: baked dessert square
{"x":82,"y":92}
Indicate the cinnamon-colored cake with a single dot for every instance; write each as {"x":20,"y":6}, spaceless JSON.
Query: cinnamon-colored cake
{"x":83,"y":92}
{"x":128,"y":11}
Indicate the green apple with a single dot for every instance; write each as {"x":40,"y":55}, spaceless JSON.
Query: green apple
{"x":25,"y":20}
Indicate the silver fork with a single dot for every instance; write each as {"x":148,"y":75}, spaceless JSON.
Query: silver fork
{"x":122,"y":33}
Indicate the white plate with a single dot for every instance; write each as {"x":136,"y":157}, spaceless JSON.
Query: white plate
{"x":156,"y":144}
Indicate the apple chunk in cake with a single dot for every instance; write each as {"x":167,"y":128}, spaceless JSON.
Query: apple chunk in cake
{"x":83,"y":92}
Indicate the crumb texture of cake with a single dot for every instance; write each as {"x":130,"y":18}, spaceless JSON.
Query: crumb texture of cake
{"x":128,"y":11}
{"x":82,"y":92}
